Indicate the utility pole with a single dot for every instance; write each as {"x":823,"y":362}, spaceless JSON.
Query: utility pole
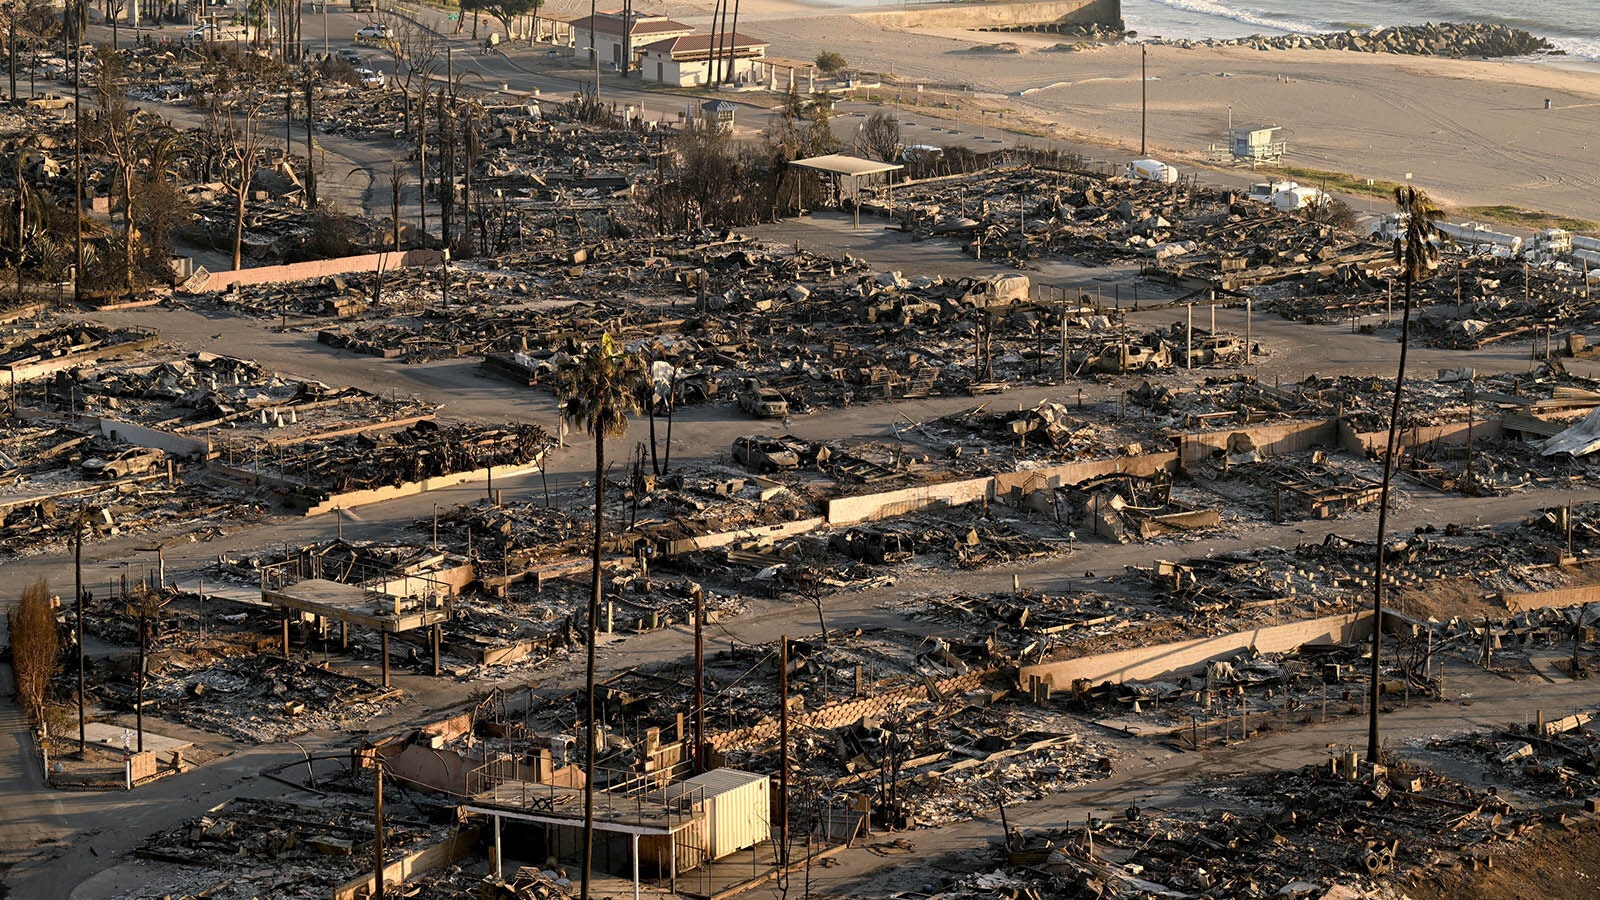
{"x":311,"y":162}
{"x":699,"y":682}
{"x":76,"y":12}
{"x":593,"y":53}
{"x":1188,"y":338}
{"x":377,"y":827}
{"x":1247,"y":335}
{"x":1144,"y":92}
{"x":77,"y":573}
{"x":422,"y":167}
{"x":783,"y":750}
{"x":1064,"y":373}
{"x":144,"y":640}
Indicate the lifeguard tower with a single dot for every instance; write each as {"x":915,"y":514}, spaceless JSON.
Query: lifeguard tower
{"x":1253,"y":145}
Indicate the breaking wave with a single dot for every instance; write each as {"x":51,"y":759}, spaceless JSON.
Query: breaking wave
{"x":1221,"y":11}
{"x":1565,"y":23}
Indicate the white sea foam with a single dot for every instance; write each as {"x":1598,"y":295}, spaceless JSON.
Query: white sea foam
{"x":1571,"y":25}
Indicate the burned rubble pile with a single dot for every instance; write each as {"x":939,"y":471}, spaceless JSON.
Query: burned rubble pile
{"x":823,"y":336}
{"x":1343,"y":829}
{"x":1176,"y":233}
{"x":1549,"y":642}
{"x":316,"y":469}
{"x":526,"y":883}
{"x":1544,"y":760}
{"x":262,"y":699}
{"x":31,"y":343}
{"x":56,"y":478}
{"x":1472,"y":302}
{"x":232,"y":401}
{"x":1427,"y":572}
{"x":987,"y":439}
{"x":247,"y":848}
{"x":1031,"y":627}
{"x":936,"y":764}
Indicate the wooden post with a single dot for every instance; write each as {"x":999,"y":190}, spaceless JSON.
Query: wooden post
{"x":699,"y":682}
{"x":385,"y":659}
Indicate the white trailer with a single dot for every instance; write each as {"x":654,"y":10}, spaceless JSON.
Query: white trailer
{"x":1298,"y":198}
{"x":1475,"y":235}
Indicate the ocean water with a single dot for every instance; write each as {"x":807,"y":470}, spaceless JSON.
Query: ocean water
{"x":1571,"y":25}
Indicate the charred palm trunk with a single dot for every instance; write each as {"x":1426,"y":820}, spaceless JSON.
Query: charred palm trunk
{"x":1380,"y":571}
{"x":593,"y":630}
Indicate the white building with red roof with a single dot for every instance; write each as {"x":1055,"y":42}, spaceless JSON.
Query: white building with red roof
{"x":687,"y":60}
{"x":610,"y":34}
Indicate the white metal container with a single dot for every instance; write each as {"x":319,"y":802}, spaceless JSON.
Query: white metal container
{"x":738,"y":808}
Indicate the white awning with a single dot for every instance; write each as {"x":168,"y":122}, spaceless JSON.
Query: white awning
{"x":839,"y":164}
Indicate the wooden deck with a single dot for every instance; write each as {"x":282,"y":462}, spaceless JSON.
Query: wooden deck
{"x":560,"y":805}
{"x":349,"y":603}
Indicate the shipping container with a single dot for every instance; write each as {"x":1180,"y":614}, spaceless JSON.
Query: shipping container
{"x":737,"y":805}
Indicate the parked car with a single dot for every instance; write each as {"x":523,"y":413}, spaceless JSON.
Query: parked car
{"x":349,"y":54}
{"x":763,"y":402}
{"x":131,"y":461}
{"x":370,"y":78}
{"x":375,"y":33}
{"x":764,"y":454}
{"x":361,"y":6}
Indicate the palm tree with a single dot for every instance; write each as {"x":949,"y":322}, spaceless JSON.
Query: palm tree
{"x":1417,"y":254}
{"x":600,"y":391}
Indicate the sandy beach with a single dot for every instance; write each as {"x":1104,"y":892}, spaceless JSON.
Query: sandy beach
{"x":1472,"y":132}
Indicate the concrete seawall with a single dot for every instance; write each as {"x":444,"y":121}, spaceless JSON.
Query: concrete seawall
{"x":984,"y":15}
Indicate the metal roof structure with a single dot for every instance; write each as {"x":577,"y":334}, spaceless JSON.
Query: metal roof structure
{"x":840,"y":164}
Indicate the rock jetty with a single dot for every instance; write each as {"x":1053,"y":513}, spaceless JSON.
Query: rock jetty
{"x":1461,"y":39}
{"x":1443,"y":39}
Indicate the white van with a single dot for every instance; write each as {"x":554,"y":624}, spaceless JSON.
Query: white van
{"x":1152,"y":170}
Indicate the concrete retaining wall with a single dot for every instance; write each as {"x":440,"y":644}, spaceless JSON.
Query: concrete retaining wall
{"x":460,"y":846}
{"x":1144,"y":663}
{"x":1270,"y":440}
{"x":1051,"y":477}
{"x":176,"y":444}
{"x":1560,"y":597}
{"x":757,"y":533}
{"x":411,"y":488}
{"x":1362,"y":442}
{"x":868,"y":507}
{"x":980,"y":15}
{"x":317,"y":268}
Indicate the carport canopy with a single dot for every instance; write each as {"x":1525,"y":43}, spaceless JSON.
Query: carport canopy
{"x":840,"y":164}
{"x":840,"y":167}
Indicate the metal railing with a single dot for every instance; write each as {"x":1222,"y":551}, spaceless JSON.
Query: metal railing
{"x":379,"y":585}
{"x":507,"y":781}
